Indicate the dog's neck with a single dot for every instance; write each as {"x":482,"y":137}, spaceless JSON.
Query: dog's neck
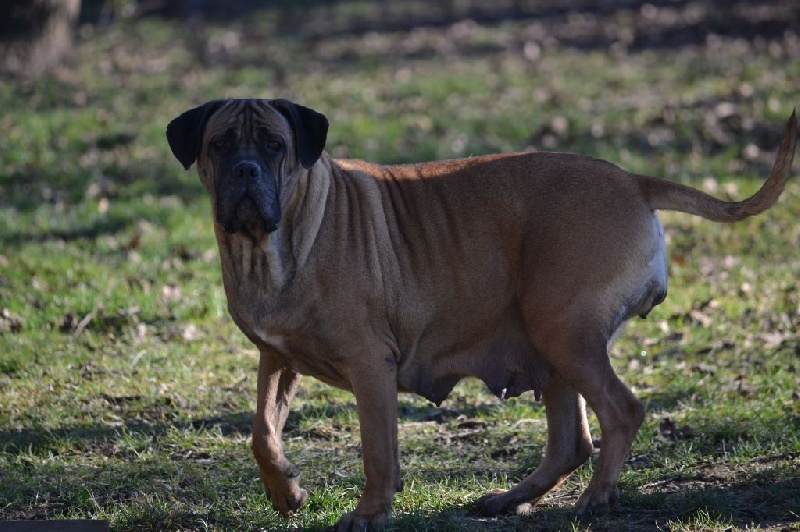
{"x":305,"y":210}
{"x":247,"y":260}
{"x":271,"y":260}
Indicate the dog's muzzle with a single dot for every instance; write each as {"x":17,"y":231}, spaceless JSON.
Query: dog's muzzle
{"x":247,"y":199}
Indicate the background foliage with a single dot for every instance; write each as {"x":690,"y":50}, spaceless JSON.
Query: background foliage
{"x":127,"y":394}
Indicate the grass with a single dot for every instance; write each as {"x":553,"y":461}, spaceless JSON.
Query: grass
{"x":127,"y":394}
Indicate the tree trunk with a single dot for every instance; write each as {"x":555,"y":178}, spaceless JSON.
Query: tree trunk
{"x":35,"y":35}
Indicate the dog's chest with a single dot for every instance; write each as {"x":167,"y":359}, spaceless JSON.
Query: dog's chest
{"x":273,"y":340}
{"x":309,"y":354}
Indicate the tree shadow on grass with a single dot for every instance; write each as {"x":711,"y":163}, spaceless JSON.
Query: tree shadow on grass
{"x":581,"y":24}
{"x":191,"y":479}
{"x":26,"y":196}
{"x":108,"y":226}
{"x":738,"y":504}
{"x":586,"y":26}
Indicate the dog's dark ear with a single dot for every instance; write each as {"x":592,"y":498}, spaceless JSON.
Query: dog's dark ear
{"x":310,"y":130}
{"x":185,"y":133}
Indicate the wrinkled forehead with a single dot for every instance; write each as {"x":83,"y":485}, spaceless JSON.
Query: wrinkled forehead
{"x":246,"y":115}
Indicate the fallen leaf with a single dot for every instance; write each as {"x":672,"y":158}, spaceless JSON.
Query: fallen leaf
{"x":668,"y":430}
{"x":775,"y":339}
{"x":704,"y":368}
{"x":704,"y":319}
{"x":9,"y":322}
{"x":190,"y":333}
{"x":171,"y":292}
{"x":141,"y":332}
{"x":739,"y":386}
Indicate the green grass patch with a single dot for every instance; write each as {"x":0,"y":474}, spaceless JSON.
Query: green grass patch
{"x":127,"y":394}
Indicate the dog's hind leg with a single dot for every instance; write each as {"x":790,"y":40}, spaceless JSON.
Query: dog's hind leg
{"x":588,"y":370}
{"x":573,"y":337}
{"x":620,"y":414}
{"x":569,"y":445}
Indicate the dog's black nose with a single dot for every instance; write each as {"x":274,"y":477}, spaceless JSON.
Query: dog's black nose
{"x":247,"y":169}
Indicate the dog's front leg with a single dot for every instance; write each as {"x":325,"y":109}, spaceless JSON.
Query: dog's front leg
{"x":375,"y":389}
{"x":277,"y":384}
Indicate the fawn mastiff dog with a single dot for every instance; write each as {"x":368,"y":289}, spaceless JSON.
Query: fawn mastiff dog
{"x":517,"y":269}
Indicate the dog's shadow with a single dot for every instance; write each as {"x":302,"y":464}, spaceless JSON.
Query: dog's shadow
{"x":736,"y":503}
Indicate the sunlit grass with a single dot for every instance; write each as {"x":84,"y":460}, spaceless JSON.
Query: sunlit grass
{"x":126,"y":393}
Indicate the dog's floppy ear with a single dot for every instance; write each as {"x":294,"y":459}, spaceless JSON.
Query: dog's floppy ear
{"x":185,"y":133}
{"x":310,"y":130}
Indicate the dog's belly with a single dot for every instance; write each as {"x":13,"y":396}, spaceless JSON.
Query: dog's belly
{"x":506,"y":362}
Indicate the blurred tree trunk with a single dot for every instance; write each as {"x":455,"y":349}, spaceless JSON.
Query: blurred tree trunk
{"x":35,"y":35}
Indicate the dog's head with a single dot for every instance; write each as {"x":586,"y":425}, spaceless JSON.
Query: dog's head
{"x":246,"y":153}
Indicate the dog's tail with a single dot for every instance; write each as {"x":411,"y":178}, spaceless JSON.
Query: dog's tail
{"x":671,"y":196}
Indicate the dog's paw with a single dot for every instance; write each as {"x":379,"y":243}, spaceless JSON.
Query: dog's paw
{"x":489,"y":505}
{"x":289,"y":501}
{"x":501,"y":502}
{"x":596,"y":503}
{"x":353,"y":522}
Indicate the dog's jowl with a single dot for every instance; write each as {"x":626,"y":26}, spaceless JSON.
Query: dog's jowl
{"x":517,"y":269}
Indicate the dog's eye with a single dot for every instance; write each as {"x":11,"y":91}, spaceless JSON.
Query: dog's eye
{"x":274,"y":145}
{"x":220,"y":144}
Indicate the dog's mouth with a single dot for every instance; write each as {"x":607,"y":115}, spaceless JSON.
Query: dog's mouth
{"x":247,"y":215}
{"x":247,"y":199}
{"x":248,"y":218}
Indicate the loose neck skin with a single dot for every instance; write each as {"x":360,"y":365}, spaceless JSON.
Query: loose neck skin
{"x":271,"y":260}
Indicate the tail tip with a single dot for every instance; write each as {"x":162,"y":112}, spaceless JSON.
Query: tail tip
{"x":791,"y":125}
